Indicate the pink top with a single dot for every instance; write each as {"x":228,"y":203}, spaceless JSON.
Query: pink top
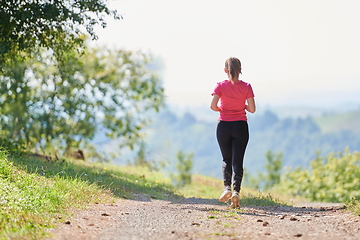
{"x":232,"y":99}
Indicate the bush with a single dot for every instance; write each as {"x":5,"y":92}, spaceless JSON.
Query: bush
{"x":11,"y":145}
{"x":331,"y":179}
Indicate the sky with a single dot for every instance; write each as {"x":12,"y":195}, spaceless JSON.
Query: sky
{"x":293,"y":52}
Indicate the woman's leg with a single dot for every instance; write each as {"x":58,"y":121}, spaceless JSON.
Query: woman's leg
{"x":239,"y":143}
{"x":223,"y":134}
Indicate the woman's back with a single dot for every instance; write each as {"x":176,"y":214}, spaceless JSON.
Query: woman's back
{"x":233,"y":98}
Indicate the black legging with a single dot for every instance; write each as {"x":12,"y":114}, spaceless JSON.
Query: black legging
{"x":232,"y":138}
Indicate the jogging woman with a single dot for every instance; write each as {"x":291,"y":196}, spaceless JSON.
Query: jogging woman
{"x":236,"y":97}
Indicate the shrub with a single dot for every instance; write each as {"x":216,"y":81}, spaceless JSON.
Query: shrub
{"x":331,"y":179}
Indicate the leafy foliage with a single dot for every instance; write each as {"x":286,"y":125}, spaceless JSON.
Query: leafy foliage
{"x":45,"y":103}
{"x":184,"y":169}
{"x":11,"y":146}
{"x":334,"y":178}
{"x":26,"y":25}
{"x":273,"y":168}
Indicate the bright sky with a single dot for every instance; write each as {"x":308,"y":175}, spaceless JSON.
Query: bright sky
{"x":293,"y":52}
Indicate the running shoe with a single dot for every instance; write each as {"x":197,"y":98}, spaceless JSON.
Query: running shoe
{"x":235,"y":200}
{"x":226,"y":195}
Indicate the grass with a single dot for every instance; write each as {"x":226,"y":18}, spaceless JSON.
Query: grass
{"x":35,"y":193}
{"x":121,"y":182}
{"x":30,"y":202}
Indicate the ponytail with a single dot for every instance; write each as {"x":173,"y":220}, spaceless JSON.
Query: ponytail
{"x":233,"y":65}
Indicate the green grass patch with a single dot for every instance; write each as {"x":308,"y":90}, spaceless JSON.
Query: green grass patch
{"x":122,"y":182}
{"x":36,"y":193}
{"x":30,"y":202}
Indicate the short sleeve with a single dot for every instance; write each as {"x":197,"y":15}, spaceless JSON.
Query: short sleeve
{"x":250,"y":93}
{"x":217,"y":90}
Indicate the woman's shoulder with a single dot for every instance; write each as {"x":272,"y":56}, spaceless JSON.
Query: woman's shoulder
{"x":244,"y":83}
{"x":224,"y":82}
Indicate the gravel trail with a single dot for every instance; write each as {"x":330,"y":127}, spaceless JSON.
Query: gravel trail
{"x":194,"y":218}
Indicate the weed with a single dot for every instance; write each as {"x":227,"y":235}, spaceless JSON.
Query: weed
{"x":354,"y":205}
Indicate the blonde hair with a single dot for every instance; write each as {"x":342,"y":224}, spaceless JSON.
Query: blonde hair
{"x":233,"y":65}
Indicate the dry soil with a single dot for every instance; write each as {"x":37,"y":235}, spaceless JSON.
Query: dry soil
{"x":192,"y":218}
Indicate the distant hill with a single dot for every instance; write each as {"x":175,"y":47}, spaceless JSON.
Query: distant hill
{"x":300,"y":137}
{"x":331,"y":123}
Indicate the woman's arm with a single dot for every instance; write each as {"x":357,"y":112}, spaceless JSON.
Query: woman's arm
{"x":214,"y":103}
{"x":250,"y":107}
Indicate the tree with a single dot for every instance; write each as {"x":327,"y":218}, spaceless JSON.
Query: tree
{"x":273,"y":168}
{"x":44,"y":102}
{"x":27,"y":25}
{"x":271,"y":177}
{"x":184,"y":167}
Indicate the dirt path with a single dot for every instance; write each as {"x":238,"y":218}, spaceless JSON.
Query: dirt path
{"x":205,"y":219}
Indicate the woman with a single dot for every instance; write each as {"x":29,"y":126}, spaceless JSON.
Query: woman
{"x":236,"y":97}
